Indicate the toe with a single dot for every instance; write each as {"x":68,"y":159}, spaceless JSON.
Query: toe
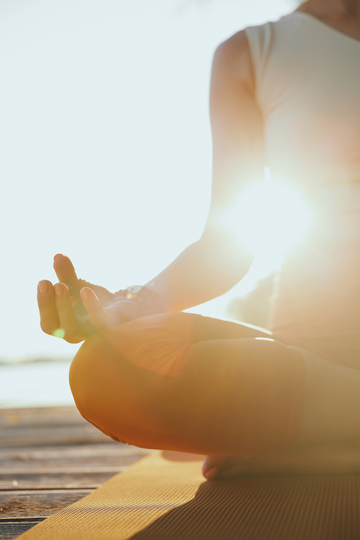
{"x":222,"y":467}
{"x":211,"y":474}
{"x":212,"y":465}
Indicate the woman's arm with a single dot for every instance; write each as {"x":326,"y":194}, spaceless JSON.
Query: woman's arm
{"x":214,"y":264}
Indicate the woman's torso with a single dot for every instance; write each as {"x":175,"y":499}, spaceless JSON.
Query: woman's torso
{"x":308,"y":89}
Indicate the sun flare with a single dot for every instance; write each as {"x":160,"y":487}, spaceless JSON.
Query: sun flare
{"x":268,"y":219}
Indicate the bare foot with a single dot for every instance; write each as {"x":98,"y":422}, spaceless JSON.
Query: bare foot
{"x":338,"y":458}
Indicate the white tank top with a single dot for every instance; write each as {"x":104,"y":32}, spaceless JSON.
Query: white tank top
{"x":307,"y":78}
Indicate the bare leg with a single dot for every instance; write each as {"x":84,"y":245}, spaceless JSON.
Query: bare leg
{"x":330,"y":437}
{"x":331,"y":407}
{"x":179,"y":381}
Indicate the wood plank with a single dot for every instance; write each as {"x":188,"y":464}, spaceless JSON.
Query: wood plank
{"x":63,"y":480}
{"x":68,"y":462}
{"x":72,"y":450}
{"x":37,"y":416}
{"x":70,"y":455}
{"x":50,"y":458}
{"x":70,"y":470}
{"x":48,"y":435}
{"x":47,"y":426}
{"x":38,"y":504}
{"x":12,"y":529}
{"x":71,"y":466}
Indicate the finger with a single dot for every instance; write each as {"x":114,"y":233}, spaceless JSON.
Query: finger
{"x":65,"y":272}
{"x":49,"y":320}
{"x":97,"y":316}
{"x":67,"y":319}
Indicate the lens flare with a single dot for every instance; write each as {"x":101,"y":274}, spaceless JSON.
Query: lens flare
{"x":268,"y":219}
{"x":59,"y":333}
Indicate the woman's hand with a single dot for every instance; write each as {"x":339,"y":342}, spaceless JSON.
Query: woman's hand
{"x":74,"y":309}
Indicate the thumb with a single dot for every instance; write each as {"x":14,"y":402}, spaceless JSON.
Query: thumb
{"x":65,"y":271}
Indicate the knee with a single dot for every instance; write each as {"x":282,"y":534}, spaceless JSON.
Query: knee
{"x":81,"y":373}
{"x":269,"y":353}
{"x":85,"y":372}
{"x":92,"y":378}
{"x":121,"y":399}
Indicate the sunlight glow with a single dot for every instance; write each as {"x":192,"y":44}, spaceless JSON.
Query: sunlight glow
{"x":268,"y":219}
{"x":107,"y":138}
{"x":59,"y":333}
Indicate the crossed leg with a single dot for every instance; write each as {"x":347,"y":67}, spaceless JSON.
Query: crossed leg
{"x":183,"y":382}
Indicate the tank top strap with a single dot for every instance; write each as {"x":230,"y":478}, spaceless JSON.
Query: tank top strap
{"x":259,"y":39}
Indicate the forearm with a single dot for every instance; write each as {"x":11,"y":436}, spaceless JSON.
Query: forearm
{"x":203,"y":271}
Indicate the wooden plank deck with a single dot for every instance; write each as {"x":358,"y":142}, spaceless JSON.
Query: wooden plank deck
{"x":50,"y":458}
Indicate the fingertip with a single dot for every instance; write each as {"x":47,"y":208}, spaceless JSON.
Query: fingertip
{"x":88,"y":294}
{"x":60,"y":289}
{"x":58,"y":260}
{"x":43,"y":287}
{"x":65,"y":270}
{"x":93,"y":307}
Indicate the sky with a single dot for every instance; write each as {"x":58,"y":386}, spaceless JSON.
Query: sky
{"x":105,"y":144}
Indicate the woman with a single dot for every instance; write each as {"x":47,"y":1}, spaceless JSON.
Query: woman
{"x":285,"y":95}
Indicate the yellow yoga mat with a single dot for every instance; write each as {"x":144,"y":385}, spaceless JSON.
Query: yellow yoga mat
{"x":165,"y":497}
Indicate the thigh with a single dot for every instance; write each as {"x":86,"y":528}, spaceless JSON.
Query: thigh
{"x":175,"y":344}
{"x":184,"y":382}
{"x":210,"y":328}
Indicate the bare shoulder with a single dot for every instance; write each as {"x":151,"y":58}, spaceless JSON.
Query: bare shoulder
{"x":232,"y":60}
{"x":236,"y":124}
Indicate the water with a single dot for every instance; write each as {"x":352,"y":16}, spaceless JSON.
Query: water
{"x":38,"y":384}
